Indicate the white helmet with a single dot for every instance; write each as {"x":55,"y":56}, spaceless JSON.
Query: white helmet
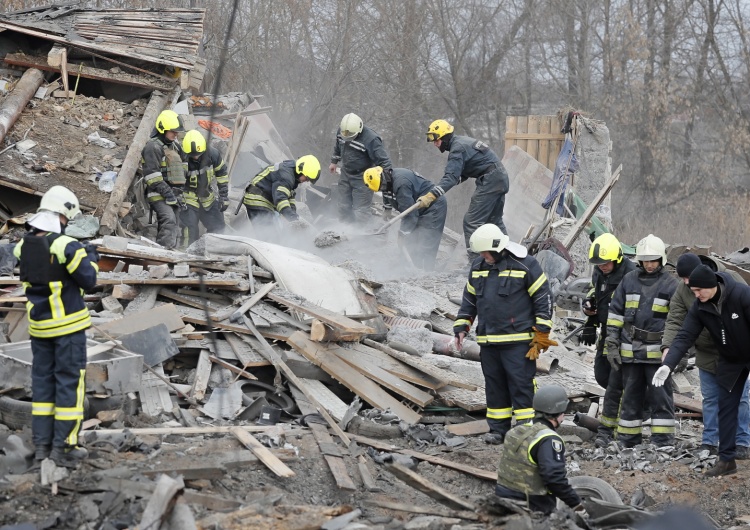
{"x":488,"y":237}
{"x":60,"y":199}
{"x":651,"y":248}
{"x":351,"y":126}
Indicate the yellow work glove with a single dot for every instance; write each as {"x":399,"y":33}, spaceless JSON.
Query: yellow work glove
{"x":425,"y":200}
{"x":539,"y":343}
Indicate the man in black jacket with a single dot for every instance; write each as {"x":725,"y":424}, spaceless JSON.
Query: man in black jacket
{"x":723,"y":308}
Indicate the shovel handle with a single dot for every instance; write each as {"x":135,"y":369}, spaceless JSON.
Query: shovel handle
{"x":400,"y":216}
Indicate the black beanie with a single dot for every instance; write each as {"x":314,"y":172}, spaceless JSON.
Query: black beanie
{"x":687,"y":264}
{"x":703,"y":277}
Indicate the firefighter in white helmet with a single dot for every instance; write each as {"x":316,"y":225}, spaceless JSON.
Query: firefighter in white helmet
{"x":357,"y":148}
{"x":55,"y":270}
{"x":635,"y":326}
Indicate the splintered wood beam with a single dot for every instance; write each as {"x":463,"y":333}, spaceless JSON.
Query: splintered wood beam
{"x":16,"y":101}
{"x":339,"y":322}
{"x":591,"y":210}
{"x":262,"y":452}
{"x":418,"y":482}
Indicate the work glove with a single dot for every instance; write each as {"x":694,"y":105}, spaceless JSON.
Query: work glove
{"x":589,"y":306}
{"x":588,"y":333}
{"x":539,"y":343}
{"x":299,"y":224}
{"x":581,"y":511}
{"x":613,"y":355}
{"x":91,"y":252}
{"x":170,"y":199}
{"x":661,"y":376}
{"x":425,"y":200}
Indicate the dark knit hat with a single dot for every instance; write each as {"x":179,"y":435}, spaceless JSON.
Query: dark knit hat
{"x":703,"y":277}
{"x":687,"y":264}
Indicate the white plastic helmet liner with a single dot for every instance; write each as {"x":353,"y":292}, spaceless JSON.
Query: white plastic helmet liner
{"x":45,"y":221}
{"x":297,"y":271}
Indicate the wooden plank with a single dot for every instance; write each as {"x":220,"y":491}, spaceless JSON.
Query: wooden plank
{"x":229,"y":285}
{"x":687,"y":403}
{"x":247,"y":356}
{"x":202,"y":374}
{"x":426,"y":367}
{"x":160,"y":502}
{"x":191,"y":301}
{"x":262,"y":452}
{"x":591,"y":210}
{"x":341,"y":323}
{"x":166,"y":314}
{"x":510,"y":127}
{"x":469,"y":428}
{"x":154,"y":393}
{"x":270,"y":429}
{"x":384,"y":446}
{"x":356,"y":382}
{"x":545,"y":127}
{"x":418,"y":482}
{"x":411,"y":508}
{"x":522,"y":126}
{"x":397,"y":368}
{"x":195,"y":316}
{"x":227,"y":312}
{"x":531,"y":136}
{"x":232,"y":368}
{"x":388,"y":380}
{"x":532,"y":147}
{"x":330,"y":401}
{"x":335,"y":463}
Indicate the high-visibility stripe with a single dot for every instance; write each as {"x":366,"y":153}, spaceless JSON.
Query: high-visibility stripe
{"x":523,"y":414}
{"x":283,"y":204}
{"x":56,"y":306}
{"x":630,"y":423}
{"x":76,"y":261}
{"x":42,"y":409}
{"x":615,"y":320}
{"x":658,"y":308}
{"x":252,"y":199}
{"x":608,"y":421}
{"x":470,"y":288}
{"x":72,"y":438}
{"x":537,"y":284}
{"x":462,"y":322}
{"x":479,"y":274}
{"x":542,"y":435}
{"x":513,"y":337}
{"x":632,"y":304}
{"x":284,"y":190}
{"x":153,"y":178}
{"x":512,"y":274}
{"x":629,"y":430}
{"x":499,"y":414}
{"x":68,"y":413}
{"x":543,"y":322}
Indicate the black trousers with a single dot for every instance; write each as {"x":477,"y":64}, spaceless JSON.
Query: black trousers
{"x":58,"y":386}
{"x":508,"y":384}
{"x":639,"y":392}
{"x":211,"y":217}
{"x":611,"y":406}
{"x":729,"y":404}
{"x":166,"y":219}
{"x":354,"y":199}
{"x":424,"y":242}
{"x":487,"y":204}
{"x":265,"y":225}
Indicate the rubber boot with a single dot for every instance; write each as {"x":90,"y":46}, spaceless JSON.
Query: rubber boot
{"x":42,"y":452}
{"x":69,"y":457}
{"x":494,"y":438}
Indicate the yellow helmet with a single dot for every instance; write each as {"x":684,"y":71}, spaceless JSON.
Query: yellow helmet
{"x":169,"y":120}
{"x":438,"y":129}
{"x":605,"y":248}
{"x":194,"y":143}
{"x":351,"y":126}
{"x":373,"y":177}
{"x":308,"y":166}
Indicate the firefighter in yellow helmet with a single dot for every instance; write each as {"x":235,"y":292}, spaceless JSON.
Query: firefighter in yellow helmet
{"x":164,"y":175}
{"x":470,"y":158}
{"x":56,"y":269}
{"x":272,"y":191}
{"x":357,"y":148}
{"x":420,"y":231}
{"x":205,"y":166}
{"x":610,"y":267}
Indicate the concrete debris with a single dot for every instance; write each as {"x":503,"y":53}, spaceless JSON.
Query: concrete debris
{"x":407,"y":299}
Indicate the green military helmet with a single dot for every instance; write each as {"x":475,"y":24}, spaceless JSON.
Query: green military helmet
{"x":550,"y":399}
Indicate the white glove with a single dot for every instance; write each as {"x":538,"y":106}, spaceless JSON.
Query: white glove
{"x":661,"y":376}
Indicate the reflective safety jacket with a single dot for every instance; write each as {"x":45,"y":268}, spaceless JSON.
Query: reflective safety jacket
{"x":163,"y":168}
{"x":533,"y":464}
{"x":468,"y":159}
{"x":403,"y":191}
{"x":603,"y":288}
{"x":728,"y":321}
{"x":198,"y":188}
{"x":55,"y":271}
{"x":638,"y":313}
{"x":274,"y":189}
{"x":363,"y":152}
{"x":509,"y":297}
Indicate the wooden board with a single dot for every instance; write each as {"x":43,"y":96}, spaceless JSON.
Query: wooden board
{"x":438,"y":373}
{"x":384,"y":378}
{"x":418,"y":482}
{"x":247,"y":356}
{"x":262,"y":452}
{"x":356,"y":382}
{"x":330,"y":401}
{"x":687,"y":403}
{"x":154,"y":393}
{"x":397,"y":368}
{"x":165,"y":314}
{"x":335,"y":462}
{"x":202,"y":374}
{"x":469,"y":428}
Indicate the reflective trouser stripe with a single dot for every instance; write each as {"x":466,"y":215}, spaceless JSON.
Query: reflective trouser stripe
{"x":630,"y":426}
{"x":608,"y":421}
{"x":42,"y":409}
{"x":665,"y":426}
{"x":74,"y":414}
{"x":522,"y":415}
{"x":500,"y":414}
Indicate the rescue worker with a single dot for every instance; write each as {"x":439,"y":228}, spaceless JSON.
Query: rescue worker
{"x":723,"y":308}
{"x":164,"y":174}
{"x":635,"y":326}
{"x":610,"y":266}
{"x":272,"y":190}
{"x":532,"y":464}
{"x":420,"y":231}
{"x":205,"y":166}
{"x":706,"y":358}
{"x":357,"y":148}
{"x":56,"y":269}
{"x":509,"y":294}
{"x":470,"y":158}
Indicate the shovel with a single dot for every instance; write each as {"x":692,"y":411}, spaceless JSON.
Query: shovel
{"x":400,"y":216}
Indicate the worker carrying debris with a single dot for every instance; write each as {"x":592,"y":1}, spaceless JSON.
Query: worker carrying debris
{"x":55,"y":270}
{"x":164,"y":174}
{"x":272,"y":191}
{"x":532,"y":464}
{"x":420,"y":231}
{"x":470,"y":158}
{"x":706,"y":358}
{"x":635,"y":326}
{"x":723,"y":308}
{"x":357,"y":148}
{"x":205,"y":166}
{"x":510,"y":295}
{"x":610,"y":267}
